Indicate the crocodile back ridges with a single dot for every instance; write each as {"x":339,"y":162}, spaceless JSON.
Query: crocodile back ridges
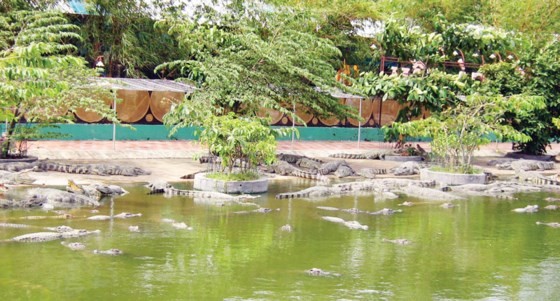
{"x":93,"y":169}
{"x":427,"y":184}
{"x":536,"y":178}
{"x":315,"y":191}
{"x":371,"y":172}
{"x":327,"y":168}
{"x":290,"y":158}
{"x":348,"y":156}
{"x":309,"y":175}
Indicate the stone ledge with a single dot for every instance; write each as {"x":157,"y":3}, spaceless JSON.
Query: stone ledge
{"x":201,"y":182}
{"x":447,"y":178}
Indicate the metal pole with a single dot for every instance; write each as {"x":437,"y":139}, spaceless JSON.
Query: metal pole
{"x":293,"y":123}
{"x":114,"y":125}
{"x":360,"y":124}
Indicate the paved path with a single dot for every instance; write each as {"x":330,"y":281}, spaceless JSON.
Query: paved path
{"x":104,"y":150}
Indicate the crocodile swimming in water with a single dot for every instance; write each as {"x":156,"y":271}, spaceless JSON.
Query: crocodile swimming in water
{"x":168,"y":190}
{"x":49,"y":236}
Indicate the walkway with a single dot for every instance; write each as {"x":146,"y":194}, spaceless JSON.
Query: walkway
{"x":103,"y":150}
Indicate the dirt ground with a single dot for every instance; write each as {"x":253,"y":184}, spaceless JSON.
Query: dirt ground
{"x":171,"y":170}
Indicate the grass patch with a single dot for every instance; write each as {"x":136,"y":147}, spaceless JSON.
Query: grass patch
{"x":242,"y":176}
{"x":469,"y":170}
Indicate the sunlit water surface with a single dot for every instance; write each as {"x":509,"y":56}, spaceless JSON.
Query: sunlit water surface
{"x":479,"y":250}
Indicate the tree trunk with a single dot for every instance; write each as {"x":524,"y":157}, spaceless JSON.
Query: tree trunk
{"x":8,"y":138}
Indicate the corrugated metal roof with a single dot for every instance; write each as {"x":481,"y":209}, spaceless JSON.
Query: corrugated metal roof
{"x":143,"y":84}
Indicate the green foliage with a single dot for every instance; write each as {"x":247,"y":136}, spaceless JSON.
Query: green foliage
{"x":457,"y":132}
{"x":41,"y":79}
{"x":263,"y":61}
{"x":239,"y":141}
{"x":434,"y":91}
{"x":122,"y":33}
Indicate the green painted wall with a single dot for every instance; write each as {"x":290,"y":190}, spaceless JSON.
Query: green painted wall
{"x":160,"y":132}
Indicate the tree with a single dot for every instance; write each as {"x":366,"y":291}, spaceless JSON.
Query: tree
{"x":244,"y":64}
{"x":458,"y":131}
{"x":41,"y":80}
{"x":239,"y":141}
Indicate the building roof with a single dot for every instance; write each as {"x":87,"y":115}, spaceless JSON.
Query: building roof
{"x":144,"y":84}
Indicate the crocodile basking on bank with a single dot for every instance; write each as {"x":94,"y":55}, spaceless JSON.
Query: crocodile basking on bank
{"x":77,"y":168}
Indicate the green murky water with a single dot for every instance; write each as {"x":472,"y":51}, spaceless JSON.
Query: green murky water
{"x":479,"y":250}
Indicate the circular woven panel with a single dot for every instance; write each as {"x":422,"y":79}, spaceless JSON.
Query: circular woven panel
{"x":389,"y":111}
{"x":274,"y":115}
{"x":331,"y":121}
{"x":367,"y":109}
{"x":134,"y":105}
{"x":301,"y":113}
{"x":91,"y":117}
{"x":160,"y":102}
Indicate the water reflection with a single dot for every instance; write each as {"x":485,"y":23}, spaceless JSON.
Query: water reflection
{"x":478,"y":250}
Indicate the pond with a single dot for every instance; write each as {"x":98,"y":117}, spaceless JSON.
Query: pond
{"x":479,"y":249}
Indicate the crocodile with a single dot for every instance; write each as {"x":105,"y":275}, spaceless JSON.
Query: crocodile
{"x":77,"y":168}
{"x":371,"y":173}
{"x":398,"y":241}
{"x":208,"y":159}
{"x":96,"y":191}
{"x":290,"y":158}
{"x":553,"y":224}
{"x":428,"y":193}
{"x":375,"y":186}
{"x":319,"y":272}
{"x":286,"y":228}
{"x":315,"y":191}
{"x":526,"y":165}
{"x":309,"y":163}
{"x":49,"y":236}
{"x":309,"y":175}
{"x":15,"y":178}
{"x":535,"y":178}
{"x":181,"y":226}
{"x":10,"y":225}
{"x":58,"y":198}
{"x":344,"y":171}
{"x":385,"y":211}
{"x":75,"y":246}
{"x":112,"y":252}
{"x":407,"y":168}
{"x":328,"y":167}
{"x":259,"y":210}
{"x":527,"y":209}
{"x":349,"y":224}
{"x":370,"y":155}
{"x":169,"y":190}
{"x":134,"y":228}
{"x":127,"y":215}
{"x":551,"y":207}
